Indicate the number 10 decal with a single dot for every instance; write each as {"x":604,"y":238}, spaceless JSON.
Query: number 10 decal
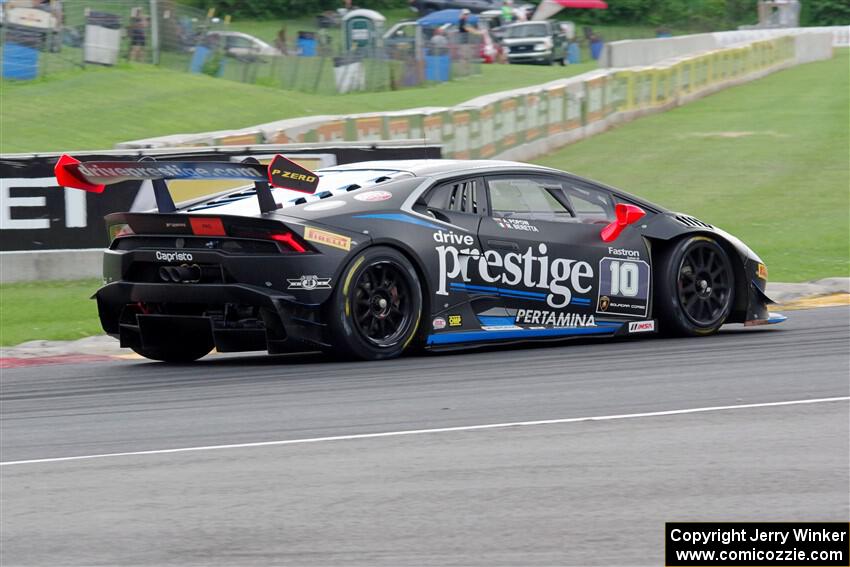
{"x":624,"y":278}
{"x":623,"y":287}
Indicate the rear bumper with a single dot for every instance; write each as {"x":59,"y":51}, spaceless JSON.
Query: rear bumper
{"x":283,"y":324}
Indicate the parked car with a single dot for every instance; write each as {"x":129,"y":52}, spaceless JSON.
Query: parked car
{"x":240,"y":45}
{"x":535,"y":42}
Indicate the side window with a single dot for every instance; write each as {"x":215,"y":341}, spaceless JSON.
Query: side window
{"x":590,"y":205}
{"x":462,"y":196}
{"x":538,"y":197}
{"x":239,"y":42}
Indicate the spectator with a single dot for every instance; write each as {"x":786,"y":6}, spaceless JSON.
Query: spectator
{"x":463,"y":26}
{"x":280,"y":40}
{"x":507,"y":12}
{"x":439,"y":42}
{"x":138,"y":35}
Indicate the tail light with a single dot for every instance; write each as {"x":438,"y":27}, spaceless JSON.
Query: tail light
{"x":289,"y":240}
{"x":286,"y":240}
{"x":119,"y":230}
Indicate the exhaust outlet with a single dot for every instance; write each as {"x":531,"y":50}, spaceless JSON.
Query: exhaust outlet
{"x":180,"y":274}
{"x":165,"y":274}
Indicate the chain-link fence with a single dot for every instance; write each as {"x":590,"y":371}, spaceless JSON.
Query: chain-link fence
{"x":313,"y":63}
{"x":39,"y":39}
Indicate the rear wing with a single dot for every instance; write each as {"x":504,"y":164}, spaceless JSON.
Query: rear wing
{"x":94,"y":176}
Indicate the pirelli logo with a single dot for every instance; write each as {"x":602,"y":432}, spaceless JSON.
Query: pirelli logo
{"x":327,"y":238}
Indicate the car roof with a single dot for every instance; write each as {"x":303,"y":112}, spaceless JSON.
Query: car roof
{"x":442,"y":168}
{"x":430,"y":167}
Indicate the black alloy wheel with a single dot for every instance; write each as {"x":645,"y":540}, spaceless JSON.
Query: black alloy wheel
{"x":705,"y":283}
{"x":377,"y":305}
{"x":382,"y":303}
{"x":695,"y":287}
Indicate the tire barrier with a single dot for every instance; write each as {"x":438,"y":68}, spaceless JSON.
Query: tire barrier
{"x":528,"y":122}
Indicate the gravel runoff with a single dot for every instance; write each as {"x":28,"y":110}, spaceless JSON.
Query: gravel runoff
{"x":107,"y":346}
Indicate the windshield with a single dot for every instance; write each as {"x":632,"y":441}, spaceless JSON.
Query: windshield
{"x":527,"y":30}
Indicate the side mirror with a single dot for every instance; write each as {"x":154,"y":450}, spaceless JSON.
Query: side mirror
{"x":626,"y":215}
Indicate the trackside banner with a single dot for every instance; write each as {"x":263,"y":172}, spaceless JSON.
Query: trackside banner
{"x":37,"y":213}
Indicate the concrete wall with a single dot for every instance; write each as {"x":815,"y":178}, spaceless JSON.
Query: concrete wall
{"x":637,"y":52}
{"x":51,"y":265}
{"x":634,"y":52}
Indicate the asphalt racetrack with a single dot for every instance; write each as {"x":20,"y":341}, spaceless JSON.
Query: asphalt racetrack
{"x":570,"y":491}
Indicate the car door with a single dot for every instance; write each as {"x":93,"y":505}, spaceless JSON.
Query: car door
{"x":542,"y":237}
{"x":458,"y":205}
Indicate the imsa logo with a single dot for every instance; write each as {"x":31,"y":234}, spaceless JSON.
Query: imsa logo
{"x":641,"y":326}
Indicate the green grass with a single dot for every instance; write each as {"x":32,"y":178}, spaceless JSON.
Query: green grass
{"x":47,"y":310}
{"x":768,"y":161}
{"x":96,"y":108}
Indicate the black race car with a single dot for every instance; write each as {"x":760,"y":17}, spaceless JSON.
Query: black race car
{"x":373,"y":259}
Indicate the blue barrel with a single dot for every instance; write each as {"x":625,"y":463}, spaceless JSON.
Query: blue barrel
{"x":307,"y":43}
{"x":438,"y":68}
{"x":573,"y":53}
{"x":596,"y":49}
{"x":198,"y":58}
{"x":21,"y":47}
{"x":307,"y":47}
{"x":19,"y":62}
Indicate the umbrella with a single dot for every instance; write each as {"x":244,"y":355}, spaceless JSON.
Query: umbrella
{"x":443,"y":17}
{"x":549,"y":8}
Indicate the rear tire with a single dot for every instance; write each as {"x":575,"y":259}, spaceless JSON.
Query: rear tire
{"x":695,"y":287}
{"x":174,"y":353}
{"x":377,"y":305}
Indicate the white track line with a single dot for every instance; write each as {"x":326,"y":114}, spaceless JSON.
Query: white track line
{"x":436,"y":430}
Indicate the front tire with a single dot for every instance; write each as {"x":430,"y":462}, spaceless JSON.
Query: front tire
{"x":378,"y":305}
{"x":695,"y":287}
